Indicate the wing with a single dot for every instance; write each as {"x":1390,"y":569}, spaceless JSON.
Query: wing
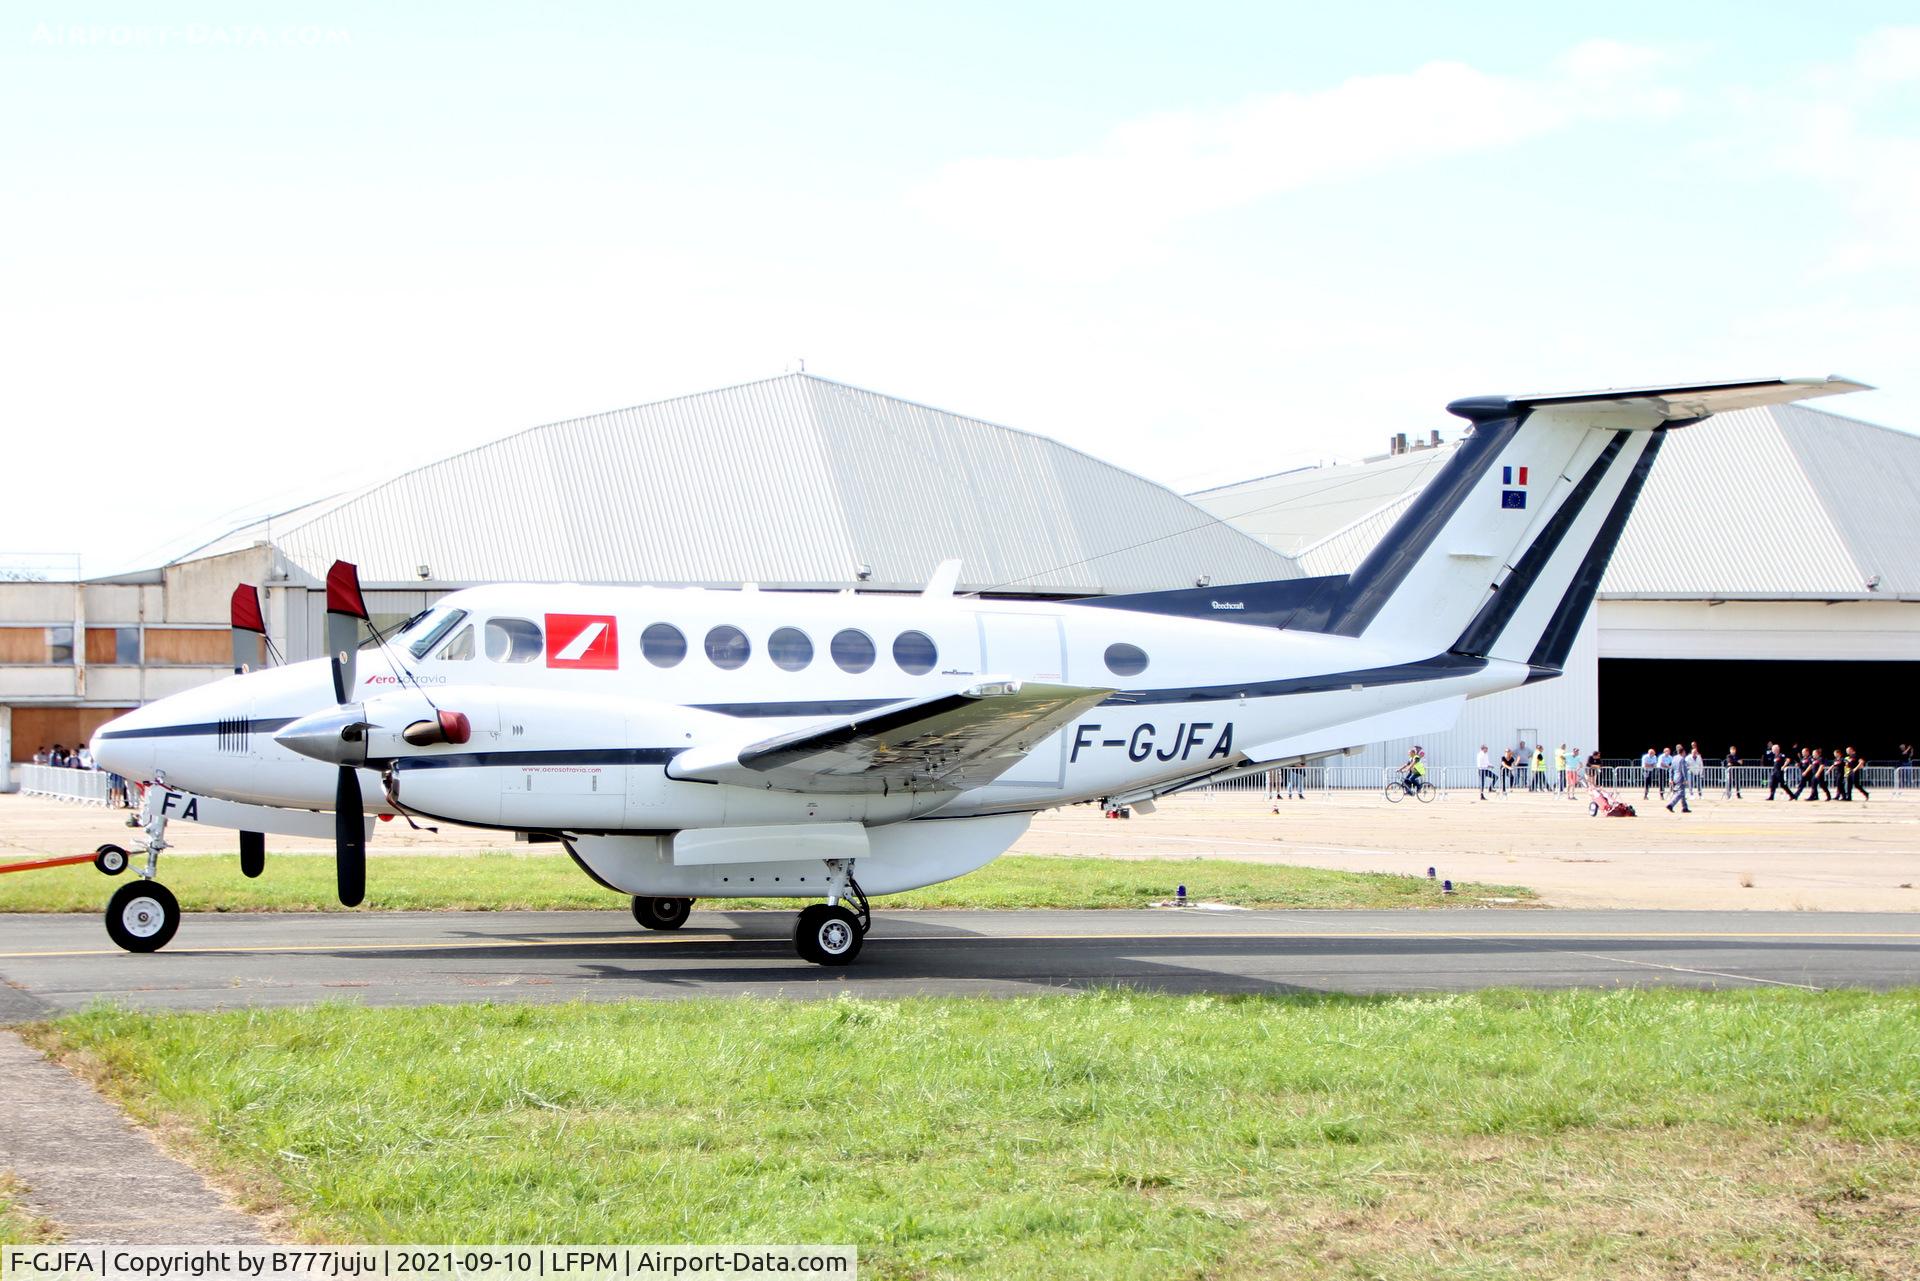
{"x":949,"y":742}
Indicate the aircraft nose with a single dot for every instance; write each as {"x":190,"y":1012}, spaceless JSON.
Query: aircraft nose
{"x":125,"y":745}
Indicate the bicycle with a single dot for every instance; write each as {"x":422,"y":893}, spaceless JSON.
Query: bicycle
{"x":1420,"y":789}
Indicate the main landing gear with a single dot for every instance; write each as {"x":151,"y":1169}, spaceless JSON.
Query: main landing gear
{"x":661,"y":913}
{"x":830,"y":933}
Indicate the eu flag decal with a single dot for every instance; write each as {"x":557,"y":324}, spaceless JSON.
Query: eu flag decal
{"x":1513,"y":497}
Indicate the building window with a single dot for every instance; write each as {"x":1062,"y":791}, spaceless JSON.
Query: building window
{"x":1126,"y":660}
{"x":514,"y":640}
{"x":126,"y":646}
{"x":663,"y":645}
{"x":789,"y":649}
{"x":915,"y":653}
{"x":728,"y":647}
{"x":60,"y":646}
{"x":852,"y":651}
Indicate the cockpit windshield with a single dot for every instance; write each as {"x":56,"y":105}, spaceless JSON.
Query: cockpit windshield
{"x":432,"y":635}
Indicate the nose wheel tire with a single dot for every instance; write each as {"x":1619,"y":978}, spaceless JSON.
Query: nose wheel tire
{"x":110,"y":859}
{"x":661,"y":913}
{"x":828,"y":935}
{"x":142,"y":916}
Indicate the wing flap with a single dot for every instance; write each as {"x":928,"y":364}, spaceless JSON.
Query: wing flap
{"x":949,"y":742}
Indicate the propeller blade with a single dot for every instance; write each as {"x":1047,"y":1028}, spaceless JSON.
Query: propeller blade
{"x":253,"y":853}
{"x":349,"y":839}
{"x":249,"y":629}
{"x":346,"y":610}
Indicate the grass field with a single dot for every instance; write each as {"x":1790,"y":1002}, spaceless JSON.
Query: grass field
{"x":1591,"y":1135}
{"x":503,"y":882}
{"x":17,"y":1225}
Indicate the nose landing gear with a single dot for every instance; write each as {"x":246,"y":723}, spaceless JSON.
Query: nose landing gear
{"x":143,"y":914}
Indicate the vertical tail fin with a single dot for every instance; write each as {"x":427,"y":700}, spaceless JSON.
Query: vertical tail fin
{"x":1501,"y":554}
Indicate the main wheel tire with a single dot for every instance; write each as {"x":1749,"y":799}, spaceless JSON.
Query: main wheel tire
{"x":1427,"y":791}
{"x":111,"y":860}
{"x":142,"y":916}
{"x":661,"y":913}
{"x":827,"y":935}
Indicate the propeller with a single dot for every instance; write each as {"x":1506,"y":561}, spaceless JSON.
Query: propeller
{"x":346,"y":610}
{"x":249,"y":630}
{"x":249,"y":654}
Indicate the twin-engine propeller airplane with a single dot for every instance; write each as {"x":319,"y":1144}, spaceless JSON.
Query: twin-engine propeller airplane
{"x":686,"y":744}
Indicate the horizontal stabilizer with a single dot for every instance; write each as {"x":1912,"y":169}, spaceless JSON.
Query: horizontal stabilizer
{"x":948,"y":742}
{"x":1677,"y":403}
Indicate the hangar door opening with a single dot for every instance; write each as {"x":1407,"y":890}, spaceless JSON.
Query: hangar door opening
{"x":1749,"y":703}
{"x":1033,"y":648}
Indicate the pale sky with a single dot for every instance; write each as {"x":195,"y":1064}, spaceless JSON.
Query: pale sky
{"x":251,"y":254}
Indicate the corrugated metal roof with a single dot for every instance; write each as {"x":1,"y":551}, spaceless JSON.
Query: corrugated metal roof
{"x":1781,"y":503}
{"x":795,"y":481}
{"x":1294,"y":510}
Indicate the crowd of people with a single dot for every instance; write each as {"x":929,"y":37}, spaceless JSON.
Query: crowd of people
{"x":81,"y":757}
{"x":1530,"y":769}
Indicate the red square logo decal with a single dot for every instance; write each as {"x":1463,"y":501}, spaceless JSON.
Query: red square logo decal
{"x":590,"y":641}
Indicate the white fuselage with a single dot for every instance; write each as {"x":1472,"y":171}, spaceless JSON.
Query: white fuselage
{"x":577,"y":708}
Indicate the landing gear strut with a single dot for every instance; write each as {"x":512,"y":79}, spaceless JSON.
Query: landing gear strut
{"x":830,"y":933}
{"x":661,"y":913}
{"x":143,"y":914}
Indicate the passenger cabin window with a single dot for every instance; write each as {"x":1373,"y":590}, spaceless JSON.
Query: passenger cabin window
{"x":789,"y":648}
{"x":1126,"y":660}
{"x":663,"y":645}
{"x":514,"y":640}
{"x":435,"y":634}
{"x":852,"y":651}
{"x":728,"y":647}
{"x":460,"y":648}
{"x":915,"y":653}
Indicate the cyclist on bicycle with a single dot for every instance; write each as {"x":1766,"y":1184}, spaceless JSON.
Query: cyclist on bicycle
{"x":1414,"y":770}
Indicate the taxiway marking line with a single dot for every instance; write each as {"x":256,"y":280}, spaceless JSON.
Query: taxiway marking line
{"x":663,"y":939}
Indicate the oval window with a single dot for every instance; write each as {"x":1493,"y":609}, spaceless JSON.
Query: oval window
{"x":728,"y":647}
{"x":789,"y":648}
{"x":663,"y":644}
{"x":915,"y":653}
{"x":852,"y":651}
{"x":514,"y":640}
{"x":1126,"y":660}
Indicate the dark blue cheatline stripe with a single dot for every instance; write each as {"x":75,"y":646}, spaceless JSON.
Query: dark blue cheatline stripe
{"x":1485,"y":629}
{"x":210,"y":728}
{"x":562,"y":756}
{"x":1439,"y":667}
{"x":1556,"y":641}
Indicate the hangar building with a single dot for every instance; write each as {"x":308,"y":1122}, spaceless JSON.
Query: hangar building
{"x":1766,"y":585}
{"x":796,"y":482}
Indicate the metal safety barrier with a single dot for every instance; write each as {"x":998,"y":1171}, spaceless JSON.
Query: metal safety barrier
{"x":88,"y":786}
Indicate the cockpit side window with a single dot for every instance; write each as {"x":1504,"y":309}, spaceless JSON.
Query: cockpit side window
{"x":460,"y":648}
{"x":422,"y":647}
{"x":514,"y":640}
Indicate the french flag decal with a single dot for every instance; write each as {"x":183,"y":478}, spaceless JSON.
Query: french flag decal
{"x":1516,"y":498}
